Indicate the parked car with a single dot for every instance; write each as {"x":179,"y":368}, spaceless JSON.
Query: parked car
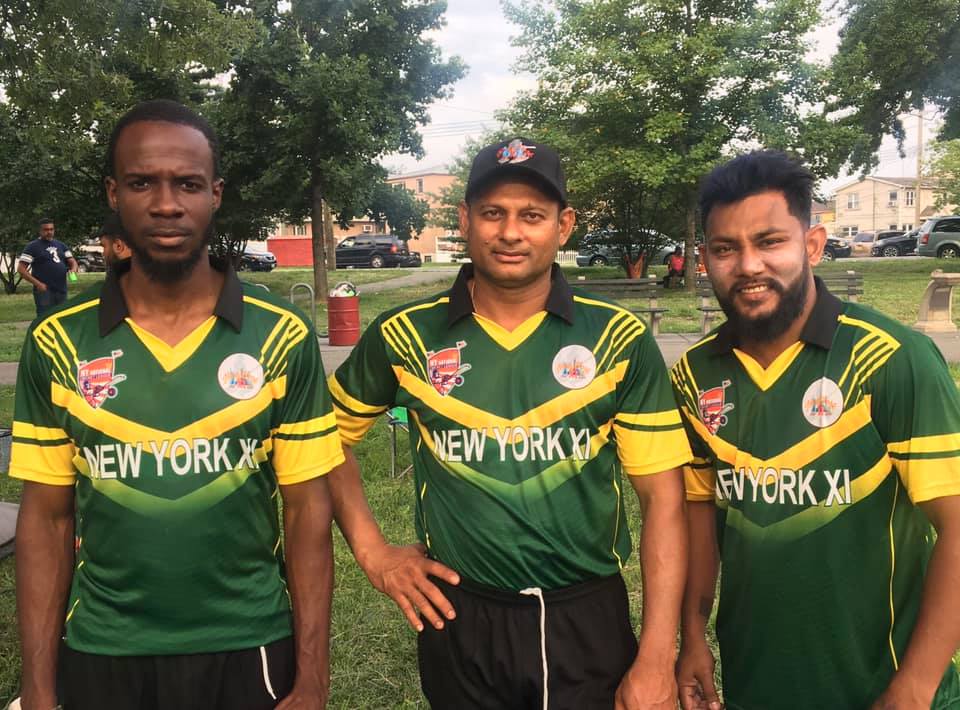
{"x":595,"y":250}
{"x":836,"y":248}
{"x":89,"y":256}
{"x":374,"y":251}
{"x":864,"y":241}
{"x":896,"y":246}
{"x":940,"y":237}
{"x":252,"y":260}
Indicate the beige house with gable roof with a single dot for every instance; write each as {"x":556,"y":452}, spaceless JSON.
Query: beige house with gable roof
{"x":873,"y":204}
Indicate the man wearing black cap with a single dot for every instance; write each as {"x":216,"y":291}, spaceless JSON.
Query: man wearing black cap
{"x":526,"y":400}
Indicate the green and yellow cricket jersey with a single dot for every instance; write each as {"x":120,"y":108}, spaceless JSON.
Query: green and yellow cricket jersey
{"x":816,"y":465}
{"x":518,"y":437}
{"x":176,"y":454}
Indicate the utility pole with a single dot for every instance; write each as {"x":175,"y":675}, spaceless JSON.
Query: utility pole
{"x":916,"y":195}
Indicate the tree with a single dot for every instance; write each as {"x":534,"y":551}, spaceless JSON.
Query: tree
{"x":895,"y":57}
{"x":327,"y":89}
{"x":396,"y":206}
{"x":643,"y":97}
{"x":945,"y":167}
{"x":68,"y":71}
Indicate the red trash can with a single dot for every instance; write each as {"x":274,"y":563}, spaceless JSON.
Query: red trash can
{"x":343,"y":319}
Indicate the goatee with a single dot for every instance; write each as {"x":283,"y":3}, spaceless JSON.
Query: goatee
{"x":167,"y":271}
{"x":768,"y":328}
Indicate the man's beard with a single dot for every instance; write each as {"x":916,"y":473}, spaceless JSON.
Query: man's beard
{"x":167,"y":271}
{"x":770,"y":327}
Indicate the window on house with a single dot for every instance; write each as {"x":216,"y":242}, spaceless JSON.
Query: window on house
{"x":911,"y":196}
{"x":816,"y":219}
{"x":300,"y":230}
{"x":853,"y":201}
{"x":892,"y":226}
{"x":849,"y":231}
{"x":907,"y":227}
{"x":892,"y":197}
{"x":368,"y":229}
{"x":419,"y":184}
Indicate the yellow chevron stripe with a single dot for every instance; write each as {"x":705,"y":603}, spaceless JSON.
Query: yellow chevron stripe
{"x":49,"y":344}
{"x":294,"y":337}
{"x":131,"y":432}
{"x":421,"y":306}
{"x":170,"y":357}
{"x":870,"y":328}
{"x":311,"y":426}
{"x":544,"y":415}
{"x":687,"y":376}
{"x":25,"y":430}
{"x":510,"y":339}
{"x":356,"y":405}
{"x":798,"y":455}
{"x":275,"y":309}
{"x":863,"y":348}
{"x":656,"y":419}
{"x":633,"y":335}
{"x":602,"y":304}
{"x":392,"y":335}
{"x":917,"y":445}
{"x":765,"y":378}
{"x":868,"y":369}
{"x":628,"y":326}
{"x":280,"y":325}
{"x":405,"y":321}
{"x":606,"y":331}
{"x":69,"y":311}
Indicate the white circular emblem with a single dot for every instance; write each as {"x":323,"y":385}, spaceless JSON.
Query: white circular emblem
{"x":822,"y":403}
{"x":574,"y":367}
{"x":240,"y":376}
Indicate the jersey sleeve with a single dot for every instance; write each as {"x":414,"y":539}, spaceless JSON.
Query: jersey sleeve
{"x":305,"y":441}
{"x":41,"y":450}
{"x":67,"y":254}
{"x":650,"y":436}
{"x":29,"y":253}
{"x":364,"y":386}
{"x":916,"y":409}
{"x":699,"y":475}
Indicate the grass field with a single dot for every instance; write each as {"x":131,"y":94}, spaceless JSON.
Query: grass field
{"x":373,"y":651}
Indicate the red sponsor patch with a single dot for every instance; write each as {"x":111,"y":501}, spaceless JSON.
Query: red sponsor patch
{"x":445,"y":369}
{"x":713,"y":407}
{"x":97,"y":379}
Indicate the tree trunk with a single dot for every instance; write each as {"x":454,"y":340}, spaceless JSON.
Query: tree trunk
{"x":690,"y":248}
{"x":319,"y":261}
{"x":635,"y":268}
{"x":328,"y":239}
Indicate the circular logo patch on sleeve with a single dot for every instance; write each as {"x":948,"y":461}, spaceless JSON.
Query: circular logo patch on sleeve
{"x":240,"y":376}
{"x":822,"y":403}
{"x":574,"y":367}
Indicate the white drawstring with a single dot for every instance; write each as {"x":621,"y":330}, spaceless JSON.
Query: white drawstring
{"x":266,"y":672}
{"x":538,"y":593}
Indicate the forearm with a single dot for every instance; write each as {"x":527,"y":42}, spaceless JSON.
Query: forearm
{"x":308,"y":548}
{"x":27,"y":276}
{"x":663,"y":556}
{"x":936,"y":636}
{"x":702,"y":569}
{"x":44,"y":570}
{"x":351,"y":510}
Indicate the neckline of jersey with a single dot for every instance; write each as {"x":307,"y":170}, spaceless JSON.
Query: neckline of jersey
{"x":170,"y":357}
{"x":510,"y":339}
{"x":766,"y":377}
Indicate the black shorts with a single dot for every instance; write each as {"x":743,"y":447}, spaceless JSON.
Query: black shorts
{"x":492,"y":655}
{"x":252,"y":679}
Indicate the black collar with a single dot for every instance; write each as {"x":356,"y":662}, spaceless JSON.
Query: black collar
{"x":559,"y":302}
{"x":818,"y":330}
{"x":113,"y":306}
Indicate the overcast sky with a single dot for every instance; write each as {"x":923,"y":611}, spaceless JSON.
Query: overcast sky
{"x":478,"y":33}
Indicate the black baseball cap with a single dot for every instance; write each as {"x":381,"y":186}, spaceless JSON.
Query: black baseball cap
{"x":518,"y":156}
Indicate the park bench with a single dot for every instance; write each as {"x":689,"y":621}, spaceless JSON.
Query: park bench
{"x":847,"y":285}
{"x":646,"y":288}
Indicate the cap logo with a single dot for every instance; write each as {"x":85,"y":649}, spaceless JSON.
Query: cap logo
{"x":822,"y":403}
{"x":97,"y":379}
{"x":574,"y":367}
{"x":240,"y":376}
{"x":515,"y":152}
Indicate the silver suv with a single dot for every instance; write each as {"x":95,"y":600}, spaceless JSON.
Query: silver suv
{"x":940,"y":237}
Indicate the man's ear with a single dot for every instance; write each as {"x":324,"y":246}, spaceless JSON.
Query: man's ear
{"x":568,"y":220}
{"x":814,"y":241}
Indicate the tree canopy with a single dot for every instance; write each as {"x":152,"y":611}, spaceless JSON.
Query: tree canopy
{"x":643,"y":97}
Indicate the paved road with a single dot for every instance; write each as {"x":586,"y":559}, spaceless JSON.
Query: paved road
{"x":415,"y":277}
